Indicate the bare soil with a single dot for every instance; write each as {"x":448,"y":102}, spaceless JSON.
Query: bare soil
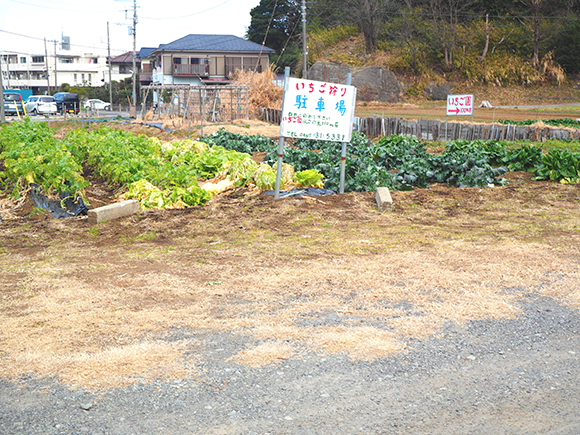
{"x":289,"y":281}
{"x":76,"y":293}
{"x":481,"y":115}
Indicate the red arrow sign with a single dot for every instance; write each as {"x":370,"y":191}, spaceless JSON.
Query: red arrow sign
{"x":460,"y":105}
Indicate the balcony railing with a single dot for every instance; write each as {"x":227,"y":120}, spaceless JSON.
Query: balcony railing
{"x":190,"y":70}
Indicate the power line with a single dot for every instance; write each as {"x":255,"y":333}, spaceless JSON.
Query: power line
{"x":266,"y":34}
{"x":325,"y":8}
{"x":291,"y":35}
{"x":505,"y":17}
{"x":53,"y":40}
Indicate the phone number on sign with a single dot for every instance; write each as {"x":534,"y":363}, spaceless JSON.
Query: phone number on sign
{"x":316,"y":135}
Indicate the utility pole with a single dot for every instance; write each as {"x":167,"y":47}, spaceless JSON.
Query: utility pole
{"x":110,"y":66}
{"x":304,"y":42}
{"x":55,"y":60}
{"x":133,"y":110}
{"x":2,"y":114}
{"x":47,"y":69}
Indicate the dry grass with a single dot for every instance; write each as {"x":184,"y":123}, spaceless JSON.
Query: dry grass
{"x":91,"y":307}
{"x":180,"y":127}
{"x":263,"y":92}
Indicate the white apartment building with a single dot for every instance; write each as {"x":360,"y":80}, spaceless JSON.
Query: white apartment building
{"x":39,"y":72}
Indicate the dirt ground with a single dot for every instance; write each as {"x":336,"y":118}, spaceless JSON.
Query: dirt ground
{"x":480,"y":115}
{"x":234,"y":264}
{"x":514,"y":103}
{"x":95,"y":307}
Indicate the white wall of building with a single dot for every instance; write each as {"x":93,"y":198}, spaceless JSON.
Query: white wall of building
{"x":25,"y":71}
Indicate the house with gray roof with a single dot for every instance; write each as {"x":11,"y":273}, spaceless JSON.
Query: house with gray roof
{"x":206,"y":59}
{"x":145,"y":61}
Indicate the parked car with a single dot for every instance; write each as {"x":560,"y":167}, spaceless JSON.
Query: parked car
{"x":13,"y":104}
{"x":95,"y":104}
{"x":40,"y":105}
{"x":67,"y":102}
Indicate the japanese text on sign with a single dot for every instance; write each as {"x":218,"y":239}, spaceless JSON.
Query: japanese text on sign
{"x":459,"y":105}
{"x":318,"y":110}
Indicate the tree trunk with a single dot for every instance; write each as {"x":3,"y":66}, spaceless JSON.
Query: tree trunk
{"x":536,"y":58}
{"x":486,"y":47}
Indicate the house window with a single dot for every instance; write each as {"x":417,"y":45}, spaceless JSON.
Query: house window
{"x":177,"y":61}
{"x":195,"y":61}
{"x":233,"y":64}
{"x":22,"y":60}
{"x":83,"y":77}
{"x":250,"y":63}
{"x":37,"y":59}
{"x":65,"y":59}
{"x":76,"y":78}
{"x":90,"y":78}
{"x":94,"y":60}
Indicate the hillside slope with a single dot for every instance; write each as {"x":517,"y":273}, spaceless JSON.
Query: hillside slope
{"x":351,"y":51}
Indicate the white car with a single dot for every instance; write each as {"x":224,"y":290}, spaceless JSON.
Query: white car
{"x":95,"y":104}
{"x":40,"y":105}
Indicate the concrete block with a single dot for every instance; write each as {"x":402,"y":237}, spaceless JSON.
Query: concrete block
{"x":113,"y":211}
{"x":384,"y":200}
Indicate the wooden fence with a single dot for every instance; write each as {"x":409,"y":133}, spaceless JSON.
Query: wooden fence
{"x":428,"y":129}
{"x":272,"y":116}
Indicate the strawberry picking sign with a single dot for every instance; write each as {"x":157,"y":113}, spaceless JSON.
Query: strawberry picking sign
{"x":318,"y":110}
{"x":460,"y":105}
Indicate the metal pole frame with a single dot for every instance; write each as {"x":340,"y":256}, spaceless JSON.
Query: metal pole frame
{"x":281,"y":142}
{"x":304,"y":43}
{"x":2,"y":114}
{"x":343,"y":154}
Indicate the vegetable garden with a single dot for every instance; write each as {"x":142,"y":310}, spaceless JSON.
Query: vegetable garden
{"x":187,"y":172}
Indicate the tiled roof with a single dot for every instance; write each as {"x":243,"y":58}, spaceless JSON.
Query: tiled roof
{"x":144,"y":52}
{"x":214,"y":43}
{"x":125,"y":58}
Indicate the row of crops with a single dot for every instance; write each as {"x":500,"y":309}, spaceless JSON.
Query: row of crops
{"x":175,"y":174}
{"x":402,"y":162}
{"x":564,"y":122}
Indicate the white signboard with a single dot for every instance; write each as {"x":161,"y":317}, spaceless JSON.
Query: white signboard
{"x":318,"y":110}
{"x":459,"y":105}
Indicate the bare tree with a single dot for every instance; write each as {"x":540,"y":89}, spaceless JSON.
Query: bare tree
{"x":486,"y":46}
{"x":445,"y":15}
{"x":369,"y":15}
{"x":536,"y":7}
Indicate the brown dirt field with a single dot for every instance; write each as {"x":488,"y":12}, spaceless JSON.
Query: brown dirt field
{"x":481,"y":115}
{"x":88,"y":304}
{"x":522,"y":97}
{"x":178,"y":129}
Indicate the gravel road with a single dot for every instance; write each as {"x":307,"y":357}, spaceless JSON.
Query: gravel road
{"x":487,"y":377}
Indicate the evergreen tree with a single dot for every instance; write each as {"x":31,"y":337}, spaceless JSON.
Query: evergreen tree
{"x":276,"y":22}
